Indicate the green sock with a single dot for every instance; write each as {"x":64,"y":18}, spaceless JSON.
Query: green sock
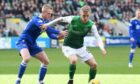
{"x":92,"y":73}
{"x":72,"y":69}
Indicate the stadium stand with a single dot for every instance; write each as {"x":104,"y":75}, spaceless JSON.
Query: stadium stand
{"x":102,"y":12}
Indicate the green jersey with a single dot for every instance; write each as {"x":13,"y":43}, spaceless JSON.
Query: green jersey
{"x":76,"y":32}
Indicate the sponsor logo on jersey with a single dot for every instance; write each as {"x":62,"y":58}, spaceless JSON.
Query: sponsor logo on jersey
{"x":40,"y":21}
{"x":137,"y":26}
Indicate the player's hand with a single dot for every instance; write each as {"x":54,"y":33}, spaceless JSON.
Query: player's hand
{"x":43,"y":27}
{"x":104,"y":52}
{"x":62,"y":34}
{"x":132,"y":39}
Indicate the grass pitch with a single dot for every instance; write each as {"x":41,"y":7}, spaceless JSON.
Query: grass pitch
{"x":79,"y":79}
{"x":112,"y":69}
{"x":115,"y":62}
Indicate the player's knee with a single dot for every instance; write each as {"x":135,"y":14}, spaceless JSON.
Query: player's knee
{"x":74,"y":61}
{"x":94,"y":66}
{"x":46,"y":62}
{"x":27,"y":59}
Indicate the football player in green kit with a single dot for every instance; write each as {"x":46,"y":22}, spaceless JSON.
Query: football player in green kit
{"x":73,"y":48}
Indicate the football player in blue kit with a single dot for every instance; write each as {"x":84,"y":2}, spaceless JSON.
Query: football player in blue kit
{"x":134,"y":32}
{"x":28,"y":47}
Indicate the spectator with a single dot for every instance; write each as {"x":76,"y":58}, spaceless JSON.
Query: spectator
{"x":122,"y":10}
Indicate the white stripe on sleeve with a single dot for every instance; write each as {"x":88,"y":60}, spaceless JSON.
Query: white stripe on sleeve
{"x":68,"y":19}
{"x":97,"y":36}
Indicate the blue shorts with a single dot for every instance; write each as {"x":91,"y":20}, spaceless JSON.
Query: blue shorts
{"x":134,"y":44}
{"x":33,"y":48}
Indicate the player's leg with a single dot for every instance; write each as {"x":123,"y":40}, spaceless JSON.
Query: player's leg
{"x":72,"y":67}
{"x":24,"y":52}
{"x":131,"y":54}
{"x":93,"y":68}
{"x":26,"y":57}
{"x":42,"y":57}
{"x":88,"y":58}
{"x":70,"y":53}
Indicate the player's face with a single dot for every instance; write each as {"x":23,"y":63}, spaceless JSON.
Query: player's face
{"x":84,"y":16}
{"x":138,"y":14}
{"x":47,"y":13}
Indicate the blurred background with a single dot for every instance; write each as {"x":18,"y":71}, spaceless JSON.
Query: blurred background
{"x":120,"y":11}
{"x":111,"y":17}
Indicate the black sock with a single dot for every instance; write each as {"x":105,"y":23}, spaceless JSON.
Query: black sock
{"x":92,"y":73}
{"x":72,"y":70}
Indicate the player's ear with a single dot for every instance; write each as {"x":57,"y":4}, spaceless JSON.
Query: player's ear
{"x":80,"y":12}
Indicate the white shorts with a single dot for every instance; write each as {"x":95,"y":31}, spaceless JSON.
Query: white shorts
{"x":81,"y":53}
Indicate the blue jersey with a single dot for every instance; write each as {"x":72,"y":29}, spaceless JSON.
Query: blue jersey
{"x":31,"y":33}
{"x":134,"y":29}
{"x":32,"y":30}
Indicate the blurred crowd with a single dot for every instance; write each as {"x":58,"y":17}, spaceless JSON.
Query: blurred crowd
{"x":122,"y":10}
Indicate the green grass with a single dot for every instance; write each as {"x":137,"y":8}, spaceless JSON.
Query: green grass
{"x":116,"y":62}
{"x":112,"y":69}
{"x":79,"y":79}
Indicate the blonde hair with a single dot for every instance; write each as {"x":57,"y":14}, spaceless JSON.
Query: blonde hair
{"x":137,"y":10}
{"x":85,"y":8}
{"x":46,"y":6}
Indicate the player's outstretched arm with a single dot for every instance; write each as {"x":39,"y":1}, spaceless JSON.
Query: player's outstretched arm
{"x":61,"y":35}
{"x":46,"y":25}
{"x":67,"y":19}
{"x":100,"y":42}
{"x":55,"y":34}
